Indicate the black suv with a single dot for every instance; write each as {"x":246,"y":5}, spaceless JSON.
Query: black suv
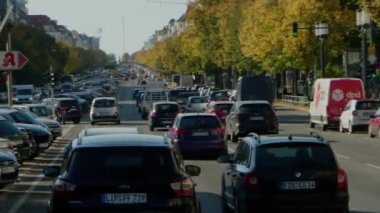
{"x":163,"y":114}
{"x":68,"y":109}
{"x":250,"y":116}
{"x":284,"y":174}
{"x":123,"y":172}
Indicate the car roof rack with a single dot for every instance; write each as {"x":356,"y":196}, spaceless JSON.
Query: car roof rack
{"x":255,"y":136}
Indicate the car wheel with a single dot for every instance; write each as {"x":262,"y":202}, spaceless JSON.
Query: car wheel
{"x":118,"y":122}
{"x":324,"y":127}
{"x":151,"y":128}
{"x":92,"y":123}
{"x":370,"y":132}
{"x":77,"y":121}
{"x":234,"y":138}
{"x":341,"y":129}
{"x":350,"y":128}
{"x":311,"y":125}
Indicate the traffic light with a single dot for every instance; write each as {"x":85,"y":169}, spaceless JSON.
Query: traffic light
{"x":52,"y":78}
{"x":295,"y":29}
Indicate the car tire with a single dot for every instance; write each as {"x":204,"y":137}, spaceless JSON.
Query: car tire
{"x":92,"y":123}
{"x":370,"y":134}
{"x":324,"y":127}
{"x":234,"y":138}
{"x":151,"y":128}
{"x":118,"y":122}
{"x":77,"y":121}
{"x":311,"y":125}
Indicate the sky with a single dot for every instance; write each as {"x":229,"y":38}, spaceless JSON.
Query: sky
{"x":141,"y":19}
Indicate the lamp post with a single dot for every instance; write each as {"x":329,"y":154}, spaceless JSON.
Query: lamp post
{"x":363,"y":21}
{"x":322,"y":31}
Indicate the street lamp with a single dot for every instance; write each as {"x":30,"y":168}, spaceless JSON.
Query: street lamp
{"x":363,"y":21}
{"x":322,"y":31}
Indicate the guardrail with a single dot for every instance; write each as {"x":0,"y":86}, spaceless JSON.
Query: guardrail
{"x":302,"y":100}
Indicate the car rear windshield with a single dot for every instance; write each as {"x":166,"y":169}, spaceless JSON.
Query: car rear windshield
{"x":162,"y":108}
{"x":120,"y":164}
{"x":24,"y":91}
{"x":226,"y":107}
{"x":255,"y":108}
{"x":104,"y":103}
{"x":367,"y":105}
{"x":8,"y":129}
{"x":199,"y":122}
{"x":69,"y":103}
{"x":298,"y":156}
{"x":199,"y":100}
{"x":40,"y":111}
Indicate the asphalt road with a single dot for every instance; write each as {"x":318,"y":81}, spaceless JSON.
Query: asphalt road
{"x":357,"y":154}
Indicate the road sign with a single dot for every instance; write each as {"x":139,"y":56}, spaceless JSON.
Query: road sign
{"x":12,"y":60}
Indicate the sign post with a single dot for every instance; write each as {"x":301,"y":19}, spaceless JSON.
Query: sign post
{"x":9,"y":61}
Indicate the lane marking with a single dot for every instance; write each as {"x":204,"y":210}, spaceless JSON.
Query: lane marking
{"x":373,"y":166}
{"x":342,"y":156}
{"x":25,"y":191}
{"x":16,"y":206}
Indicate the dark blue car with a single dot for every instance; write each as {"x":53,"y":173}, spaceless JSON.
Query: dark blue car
{"x":198,"y":134}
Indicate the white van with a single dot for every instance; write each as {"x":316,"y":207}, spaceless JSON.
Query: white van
{"x":155,"y":91}
{"x":23,"y":94}
{"x":330,"y":97}
{"x":104,"y":109}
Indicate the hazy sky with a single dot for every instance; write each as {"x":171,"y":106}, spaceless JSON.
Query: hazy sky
{"x":142,"y":18}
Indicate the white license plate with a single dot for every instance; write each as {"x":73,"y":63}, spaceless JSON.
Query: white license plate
{"x":43,"y":145}
{"x":7,"y":170}
{"x":259,"y":118}
{"x":298,"y":185}
{"x":200,"y":134}
{"x":126,"y":198}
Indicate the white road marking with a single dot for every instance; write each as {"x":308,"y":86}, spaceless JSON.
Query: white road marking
{"x":343,"y":156}
{"x":23,"y":192}
{"x":16,"y":206}
{"x":373,"y":166}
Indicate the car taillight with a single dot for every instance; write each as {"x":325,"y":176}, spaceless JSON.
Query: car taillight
{"x":251,"y":181}
{"x":341,"y":180}
{"x":63,"y":108}
{"x":153,"y":114}
{"x":183,"y":188}
{"x":217,"y":131}
{"x":62,"y":188}
{"x":219,"y":112}
{"x":177,"y":132}
{"x":354,"y":113}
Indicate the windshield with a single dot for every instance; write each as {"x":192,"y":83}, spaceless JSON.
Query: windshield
{"x":199,"y":122}
{"x":24,"y":91}
{"x":40,"y":111}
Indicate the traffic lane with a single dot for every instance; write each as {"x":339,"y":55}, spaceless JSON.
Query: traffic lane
{"x":208,"y":182}
{"x":32,"y":193}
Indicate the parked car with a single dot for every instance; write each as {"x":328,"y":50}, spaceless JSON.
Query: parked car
{"x":41,"y":110}
{"x":104,"y":109}
{"x":356,"y":114}
{"x":69,"y":109}
{"x":20,"y":116}
{"x":198,"y":134}
{"x":250,"y":116}
{"x":283,"y":174}
{"x":330,"y":97}
{"x":54,"y":127}
{"x":108,"y":168}
{"x":220,"y":109}
{"x":163,"y":114}
{"x":14,"y":140}
{"x":196,"y":104}
{"x":8,"y":167}
{"x":42,"y":137}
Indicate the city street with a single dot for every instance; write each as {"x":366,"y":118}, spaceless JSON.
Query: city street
{"x":357,"y":154}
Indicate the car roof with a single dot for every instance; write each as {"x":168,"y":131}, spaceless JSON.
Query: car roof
{"x":65,"y":99}
{"x":195,"y":114}
{"x":165,"y":102}
{"x":121,"y":140}
{"x":221,"y":102}
{"x":7,"y":110}
{"x":104,"y":98}
{"x":111,"y":130}
{"x":282,"y":139}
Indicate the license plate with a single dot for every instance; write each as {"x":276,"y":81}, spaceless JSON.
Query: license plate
{"x":43,"y":145}
{"x":298,"y":185}
{"x":126,"y":198}
{"x":259,"y":118}
{"x":200,"y":134}
{"x":7,"y":170}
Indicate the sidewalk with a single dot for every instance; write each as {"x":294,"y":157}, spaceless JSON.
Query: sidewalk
{"x":292,"y":106}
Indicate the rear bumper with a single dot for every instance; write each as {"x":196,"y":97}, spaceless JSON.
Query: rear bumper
{"x":162,"y":123}
{"x":196,"y":149}
{"x":243,"y":130}
{"x":112,"y":118}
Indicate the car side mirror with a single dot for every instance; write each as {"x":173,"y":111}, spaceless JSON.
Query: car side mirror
{"x":193,"y":170}
{"x":225,"y":159}
{"x":52,"y":171}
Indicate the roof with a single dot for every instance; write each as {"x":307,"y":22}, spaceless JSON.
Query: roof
{"x":195,"y":114}
{"x":277,"y":139}
{"x":221,"y":102}
{"x":7,"y":110}
{"x":121,"y":140}
{"x":106,"y":98}
{"x":165,"y":102}
{"x":111,"y":130}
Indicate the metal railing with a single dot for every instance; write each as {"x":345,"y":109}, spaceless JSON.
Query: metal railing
{"x":302,"y":100}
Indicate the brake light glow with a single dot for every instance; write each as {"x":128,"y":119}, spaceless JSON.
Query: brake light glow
{"x":251,"y":181}
{"x":62,"y":188}
{"x":341,"y":180}
{"x":63,"y":108}
{"x":217,"y":131}
{"x":176,"y":133}
{"x":153,"y":114}
{"x":183,"y":188}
